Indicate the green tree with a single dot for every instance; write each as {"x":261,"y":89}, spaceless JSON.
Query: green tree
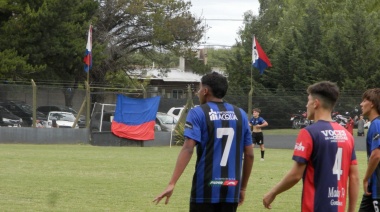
{"x":147,"y":27}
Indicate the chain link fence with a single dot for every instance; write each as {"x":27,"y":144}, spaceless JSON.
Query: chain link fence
{"x":276,"y":106}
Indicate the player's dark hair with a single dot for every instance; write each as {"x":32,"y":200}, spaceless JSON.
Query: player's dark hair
{"x":256,"y":109}
{"x":373,"y":95}
{"x":326,"y":91}
{"x":217,"y":83}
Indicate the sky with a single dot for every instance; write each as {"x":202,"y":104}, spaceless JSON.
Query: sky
{"x":223,"y":32}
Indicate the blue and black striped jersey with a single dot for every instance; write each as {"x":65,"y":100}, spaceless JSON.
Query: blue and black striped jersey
{"x":373,"y":142}
{"x":221,"y":131}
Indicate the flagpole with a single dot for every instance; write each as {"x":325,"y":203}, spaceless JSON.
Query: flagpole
{"x":250,"y":98}
{"x":251,"y":90}
{"x":88,"y":100}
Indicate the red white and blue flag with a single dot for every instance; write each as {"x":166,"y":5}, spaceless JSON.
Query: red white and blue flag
{"x":259,"y":58}
{"x":135,"y":118}
{"x":88,"y":58}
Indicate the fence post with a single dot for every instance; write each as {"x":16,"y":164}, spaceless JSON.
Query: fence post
{"x":34,"y":87}
{"x":88,"y":105}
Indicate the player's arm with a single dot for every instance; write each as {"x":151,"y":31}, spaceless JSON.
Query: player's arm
{"x":264,"y":124}
{"x":247,"y":168}
{"x":353,"y":188}
{"x":289,"y":180}
{"x":182,"y":161}
{"x":373,"y":161}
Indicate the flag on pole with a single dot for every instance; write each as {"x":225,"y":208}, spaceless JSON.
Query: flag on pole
{"x":88,"y":57}
{"x":135,"y":118}
{"x":259,"y":58}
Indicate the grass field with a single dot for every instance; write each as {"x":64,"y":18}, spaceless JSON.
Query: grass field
{"x":90,"y":178}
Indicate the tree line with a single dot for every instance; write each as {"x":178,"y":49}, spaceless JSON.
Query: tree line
{"x":306,"y":41}
{"x":46,"y":39}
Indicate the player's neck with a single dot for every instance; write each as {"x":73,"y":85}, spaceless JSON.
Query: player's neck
{"x":322,"y":115}
{"x":214,"y":99}
{"x":373,"y":114}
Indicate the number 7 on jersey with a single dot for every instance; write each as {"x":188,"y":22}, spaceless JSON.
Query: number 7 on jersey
{"x":229,"y":132}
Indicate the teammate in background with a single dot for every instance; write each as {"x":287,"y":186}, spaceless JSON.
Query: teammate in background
{"x":221,"y":135}
{"x":371,"y":108}
{"x":257,"y":123}
{"x":360,"y":122}
{"x":324,"y":157}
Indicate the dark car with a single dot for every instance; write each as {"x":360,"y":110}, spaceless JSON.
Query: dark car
{"x":8,"y":119}
{"x":24,"y":111}
{"x":47,"y":108}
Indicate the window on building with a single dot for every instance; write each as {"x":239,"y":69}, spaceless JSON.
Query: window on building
{"x":177,"y":94}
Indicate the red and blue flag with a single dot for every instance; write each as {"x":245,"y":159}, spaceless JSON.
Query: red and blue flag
{"x":88,"y":57}
{"x":259,"y":58}
{"x":135,"y":118}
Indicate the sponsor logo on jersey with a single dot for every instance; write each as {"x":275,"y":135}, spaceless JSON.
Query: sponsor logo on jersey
{"x":230,"y":183}
{"x":299,"y":147}
{"x":223,"y":183}
{"x":222,"y":115}
{"x":216,"y":182}
{"x":188,"y":125}
{"x":335,"y":135}
{"x":336,"y":193}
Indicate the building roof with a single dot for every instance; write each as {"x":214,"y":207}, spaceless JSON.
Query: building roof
{"x":172,"y":75}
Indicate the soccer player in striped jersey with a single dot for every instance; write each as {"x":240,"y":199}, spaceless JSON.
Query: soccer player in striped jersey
{"x":371,"y":108}
{"x":324,"y":156}
{"x":221,"y":134}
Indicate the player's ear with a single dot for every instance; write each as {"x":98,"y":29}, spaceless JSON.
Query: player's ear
{"x":317,"y":103}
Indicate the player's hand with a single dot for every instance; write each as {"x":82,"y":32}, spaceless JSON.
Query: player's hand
{"x":166,"y":193}
{"x":268,"y":199}
{"x":365,"y":187}
{"x":242,"y":197}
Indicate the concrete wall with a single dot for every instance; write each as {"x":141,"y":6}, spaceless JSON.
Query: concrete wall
{"x":109,"y":139}
{"x":29,"y":135}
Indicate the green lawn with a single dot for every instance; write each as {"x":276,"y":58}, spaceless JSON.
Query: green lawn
{"x":90,"y":178}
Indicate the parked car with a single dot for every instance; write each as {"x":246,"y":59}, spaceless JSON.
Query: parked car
{"x":47,"y":108}
{"x":8,"y":119}
{"x":166,"y":122}
{"x":177,"y":111}
{"x":63,"y":119}
{"x":24,"y":111}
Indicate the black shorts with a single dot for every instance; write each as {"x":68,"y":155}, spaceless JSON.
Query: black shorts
{"x":360,"y":133}
{"x":258,"y":138}
{"x":368,"y":204}
{"x":213,"y":207}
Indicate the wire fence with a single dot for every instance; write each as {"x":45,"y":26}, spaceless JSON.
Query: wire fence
{"x":277,"y":106}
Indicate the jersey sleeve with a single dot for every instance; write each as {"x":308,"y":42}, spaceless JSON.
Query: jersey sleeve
{"x":246,"y":130}
{"x":303,"y":147}
{"x":375,"y":135}
{"x":193,"y":126}
{"x":261,"y":120}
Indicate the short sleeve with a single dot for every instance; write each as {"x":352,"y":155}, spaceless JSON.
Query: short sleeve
{"x":303,"y":147}
{"x":193,"y":125}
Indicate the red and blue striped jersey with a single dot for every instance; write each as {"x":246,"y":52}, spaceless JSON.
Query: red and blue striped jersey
{"x":221,"y":131}
{"x":373,"y":142}
{"x":328,"y":150}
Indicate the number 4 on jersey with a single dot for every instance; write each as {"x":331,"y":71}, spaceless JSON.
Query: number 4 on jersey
{"x":337,"y":169}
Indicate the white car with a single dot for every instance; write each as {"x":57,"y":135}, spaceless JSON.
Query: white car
{"x":63,"y":119}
